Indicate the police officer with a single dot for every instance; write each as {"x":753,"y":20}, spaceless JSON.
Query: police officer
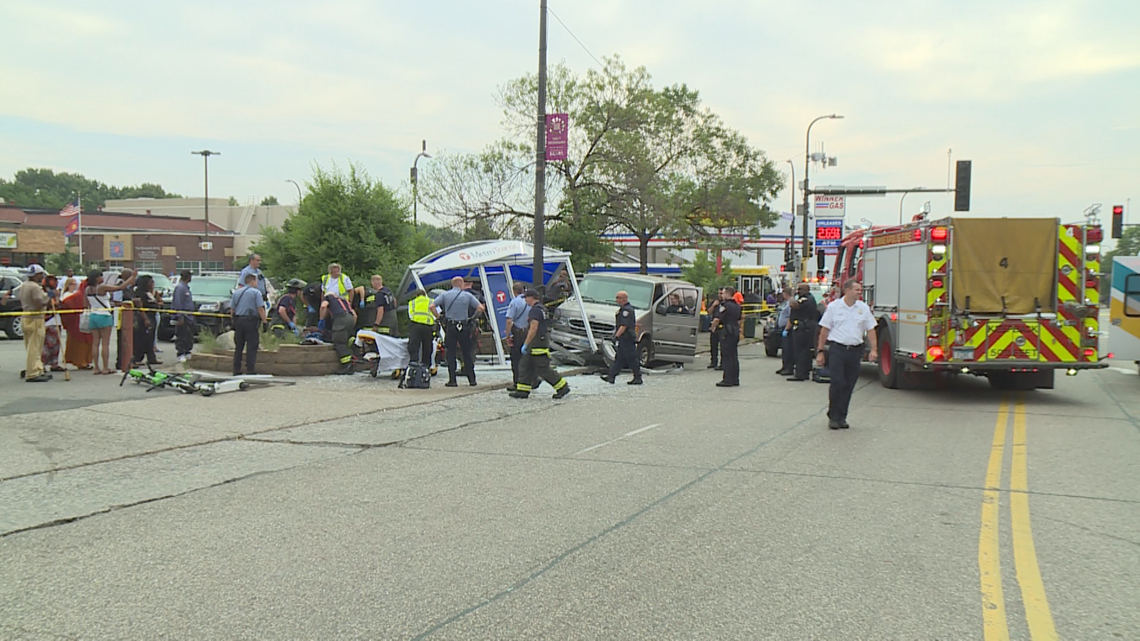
{"x":626,"y":338}
{"x":517,"y":325}
{"x":421,"y":328}
{"x":339,"y":311}
{"x":536,"y":352}
{"x":285,"y":312}
{"x":247,"y":313}
{"x":458,"y":307}
{"x":714,"y":338}
{"x":844,"y":323}
{"x":804,"y":317}
{"x":727,"y":323}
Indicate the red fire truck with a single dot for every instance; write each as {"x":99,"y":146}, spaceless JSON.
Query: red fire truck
{"x":1011,"y":299}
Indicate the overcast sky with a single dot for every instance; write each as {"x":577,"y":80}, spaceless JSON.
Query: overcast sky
{"x":1043,"y":96}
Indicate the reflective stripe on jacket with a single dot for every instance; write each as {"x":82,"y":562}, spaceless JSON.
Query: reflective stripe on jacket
{"x":419,"y":312}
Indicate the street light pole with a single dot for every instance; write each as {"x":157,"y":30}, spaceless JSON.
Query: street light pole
{"x":807,"y":190}
{"x":290,"y":180}
{"x":416,"y":183}
{"x":205,"y":154}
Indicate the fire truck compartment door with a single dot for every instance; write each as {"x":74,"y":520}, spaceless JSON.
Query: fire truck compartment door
{"x":1014,"y":259}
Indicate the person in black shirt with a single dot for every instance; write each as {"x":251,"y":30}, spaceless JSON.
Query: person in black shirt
{"x":804,"y":318}
{"x":727,"y":324}
{"x":536,"y":353}
{"x":714,"y":338}
{"x":625,"y":334}
{"x":675,"y":306}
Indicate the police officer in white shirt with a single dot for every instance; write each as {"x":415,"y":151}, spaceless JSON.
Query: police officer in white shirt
{"x":842,"y":327}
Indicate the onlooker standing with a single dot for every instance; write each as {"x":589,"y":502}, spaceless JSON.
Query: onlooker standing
{"x":69,"y":281}
{"x":77,"y":350}
{"x":458,"y":308}
{"x":146,"y":320}
{"x":185,"y":327}
{"x":517,"y":321}
{"x":33,"y":298}
{"x":804,"y":318}
{"x":247,"y":313}
{"x":50,"y":354}
{"x":844,"y":323}
{"x":99,"y":304}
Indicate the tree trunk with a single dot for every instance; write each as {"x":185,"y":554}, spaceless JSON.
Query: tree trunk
{"x":643,"y":251}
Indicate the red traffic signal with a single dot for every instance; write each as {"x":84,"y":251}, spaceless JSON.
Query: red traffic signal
{"x":1117,"y":221}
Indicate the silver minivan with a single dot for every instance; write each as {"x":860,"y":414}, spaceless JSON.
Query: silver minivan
{"x":663,"y":335}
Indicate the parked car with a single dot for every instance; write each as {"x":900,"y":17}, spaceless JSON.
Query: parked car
{"x":10,"y":325}
{"x":663,"y":337}
{"x":211,"y":294}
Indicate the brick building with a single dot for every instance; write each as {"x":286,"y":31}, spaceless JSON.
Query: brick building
{"x":162,"y":244}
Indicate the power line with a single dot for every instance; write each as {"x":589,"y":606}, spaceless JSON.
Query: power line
{"x":584,"y":48}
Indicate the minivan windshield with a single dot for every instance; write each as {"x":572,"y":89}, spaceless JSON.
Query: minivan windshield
{"x":599,"y":289}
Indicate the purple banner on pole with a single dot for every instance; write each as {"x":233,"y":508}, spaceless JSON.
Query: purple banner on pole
{"x":557,"y":136}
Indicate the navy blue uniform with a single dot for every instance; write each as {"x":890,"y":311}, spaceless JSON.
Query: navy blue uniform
{"x":729,"y":329}
{"x":626,"y":356}
{"x":804,"y":319}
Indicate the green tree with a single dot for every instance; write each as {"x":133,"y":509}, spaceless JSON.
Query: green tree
{"x":44,"y":189}
{"x":346,"y":218}
{"x":644,"y":160}
{"x":702,"y":272}
{"x":233,"y":202}
{"x":60,"y":263}
{"x":269,"y":200}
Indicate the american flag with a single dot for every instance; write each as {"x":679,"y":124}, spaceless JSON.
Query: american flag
{"x":70,"y":209}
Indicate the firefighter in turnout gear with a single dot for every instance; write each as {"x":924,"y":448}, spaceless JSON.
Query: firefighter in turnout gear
{"x":421,"y":328}
{"x":338,"y":312}
{"x":536,"y":353}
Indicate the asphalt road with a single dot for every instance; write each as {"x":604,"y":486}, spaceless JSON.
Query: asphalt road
{"x":347,"y":509}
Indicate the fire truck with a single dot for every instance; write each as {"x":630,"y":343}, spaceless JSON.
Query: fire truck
{"x":1011,"y":299}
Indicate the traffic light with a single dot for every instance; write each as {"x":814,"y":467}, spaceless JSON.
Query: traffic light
{"x":962,"y":185}
{"x":1117,"y":221}
{"x":820,"y":260}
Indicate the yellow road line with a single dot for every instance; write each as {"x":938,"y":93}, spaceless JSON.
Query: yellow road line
{"x":989,"y":559}
{"x":1037,"y":613}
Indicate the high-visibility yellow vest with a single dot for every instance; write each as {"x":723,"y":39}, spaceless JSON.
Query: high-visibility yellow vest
{"x":339,"y":282}
{"x":419,"y":312}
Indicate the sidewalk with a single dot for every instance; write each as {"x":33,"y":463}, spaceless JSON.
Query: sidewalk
{"x":165,"y":420}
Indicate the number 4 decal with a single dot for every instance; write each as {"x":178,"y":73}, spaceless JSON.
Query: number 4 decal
{"x":1004,"y":263}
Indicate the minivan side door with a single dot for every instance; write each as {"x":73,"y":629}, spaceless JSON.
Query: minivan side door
{"x":675,"y":333}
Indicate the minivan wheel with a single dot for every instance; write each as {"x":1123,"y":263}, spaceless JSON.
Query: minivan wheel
{"x":644,"y":352}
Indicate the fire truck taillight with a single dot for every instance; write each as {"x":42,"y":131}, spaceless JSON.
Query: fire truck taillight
{"x":918,"y":235}
{"x":1094,"y":235}
{"x":939,"y":234}
{"x":1090,"y":353}
{"x":936,"y":283}
{"x":934,"y":353}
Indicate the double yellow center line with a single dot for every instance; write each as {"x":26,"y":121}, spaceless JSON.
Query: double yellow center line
{"x":1037,"y":614}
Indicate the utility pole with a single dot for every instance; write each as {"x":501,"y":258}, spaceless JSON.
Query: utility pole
{"x":540,"y":153}
{"x":205,"y":154}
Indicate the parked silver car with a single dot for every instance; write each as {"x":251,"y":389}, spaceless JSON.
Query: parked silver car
{"x":663,"y":335}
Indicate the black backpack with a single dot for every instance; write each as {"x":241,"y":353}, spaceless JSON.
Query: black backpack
{"x":416,"y":376}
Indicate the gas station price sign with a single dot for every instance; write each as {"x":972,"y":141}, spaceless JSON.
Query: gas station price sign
{"x":828,"y":233}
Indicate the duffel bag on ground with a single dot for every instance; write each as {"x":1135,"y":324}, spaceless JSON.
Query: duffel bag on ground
{"x":416,"y":376}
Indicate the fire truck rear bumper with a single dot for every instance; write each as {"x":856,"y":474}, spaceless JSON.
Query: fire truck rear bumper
{"x":1006,"y":366}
